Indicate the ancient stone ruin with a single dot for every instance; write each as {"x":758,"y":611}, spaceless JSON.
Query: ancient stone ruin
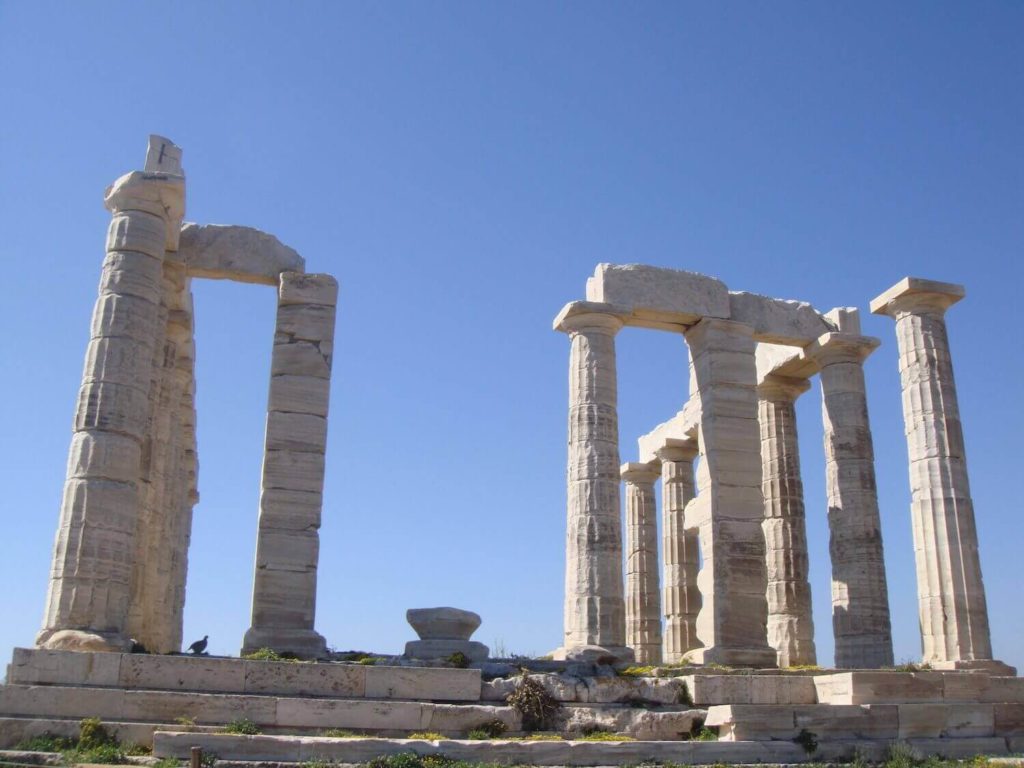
{"x":729,"y":606}
{"x":121,"y":556}
{"x":734,"y":575}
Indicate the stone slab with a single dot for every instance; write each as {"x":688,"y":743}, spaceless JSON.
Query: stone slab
{"x":236,"y":253}
{"x":777,"y":321}
{"x":663,"y":295}
{"x":946,"y":720}
{"x":424,"y":683}
{"x":42,"y":667}
{"x":879,"y":686}
{"x":751,"y":689}
{"x":329,"y":680}
{"x":745,"y":722}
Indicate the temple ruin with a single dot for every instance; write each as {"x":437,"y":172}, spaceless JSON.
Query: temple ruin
{"x":733,"y":588}
{"x":120,"y":559}
{"x":728,"y":604}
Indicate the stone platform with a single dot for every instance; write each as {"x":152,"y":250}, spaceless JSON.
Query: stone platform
{"x":758,"y":716}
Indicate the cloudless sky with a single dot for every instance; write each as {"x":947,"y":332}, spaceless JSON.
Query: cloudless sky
{"x":461,"y":167}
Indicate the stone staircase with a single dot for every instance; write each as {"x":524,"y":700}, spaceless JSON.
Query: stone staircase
{"x":177,"y":702}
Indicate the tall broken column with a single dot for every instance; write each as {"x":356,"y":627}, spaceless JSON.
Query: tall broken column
{"x":860,"y":599}
{"x":950,"y":591}
{"x":680,"y":554}
{"x":790,"y":620}
{"x":595,"y":614}
{"x":643,"y":601}
{"x":90,"y":580}
{"x":732,"y":624}
{"x":288,"y":545}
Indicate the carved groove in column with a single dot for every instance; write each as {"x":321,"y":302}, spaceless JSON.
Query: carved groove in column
{"x":643,"y":601}
{"x":680,"y":545}
{"x":790,"y":621}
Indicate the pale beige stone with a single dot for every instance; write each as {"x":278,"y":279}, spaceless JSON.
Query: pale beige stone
{"x":952,"y":608}
{"x":435,"y":684}
{"x":946,"y":720}
{"x":643,"y":601}
{"x":594,"y":618}
{"x":668,"y":295}
{"x":777,"y":321}
{"x":242,"y":254}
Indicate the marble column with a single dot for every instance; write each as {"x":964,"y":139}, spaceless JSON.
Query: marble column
{"x":288,"y":542}
{"x":860,"y":599}
{"x":680,"y":553}
{"x":728,"y":509}
{"x":790,"y":619}
{"x":643,"y":600}
{"x":950,"y":591}
{"x":90,"y":580}
{"x":595,"y":613}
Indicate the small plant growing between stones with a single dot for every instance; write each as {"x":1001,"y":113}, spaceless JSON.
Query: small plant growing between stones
{"x":208,"y":759}
{"x":597,"y":733}
{"x":243,"y":726}
{"x":92,"y":733}
{"x":807,"y":740}
{"x":532,"y":701}
{"x":684,"y":697}
{"x":263,"y":654}
{"x":637,"y":671}
{"x":46,"y":742}
{"x":459,"y":660}
{"x":185,"y":723}
{"x":166,"y":762}
{"x":705,"y":734}
{"x":426,"y":735}
{"x":369,"y":661}
{"x":492,"y":729}
{"x":343,"y":733}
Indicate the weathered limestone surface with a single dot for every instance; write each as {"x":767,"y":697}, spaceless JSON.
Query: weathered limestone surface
{"x":790,"y":620}
{"x":777,"y":320}
{"x":952,"y":608}
{"x":443,"y":632}
{"x":728,"y":509}
{"x":667,"y":295}
{"x":287,"y":550}
{"x":680,"y":550}
{"x":643,"y":601}
{"x":90,"y":582}
{"x":860,"y":601}
{"x":595,"y":620}
{"x":242,"y":254}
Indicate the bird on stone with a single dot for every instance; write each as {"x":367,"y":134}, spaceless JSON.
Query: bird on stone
{"x":199,"y":645}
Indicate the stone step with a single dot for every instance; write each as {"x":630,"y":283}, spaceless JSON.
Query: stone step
{"x":14,"y":730}
{"x":51,"y":701}
{"x":746,"y":722}
{"x":241,"y":676}
{"x":706,"y":690}
{"x":296,"y":749}
{"x":892,"y":687}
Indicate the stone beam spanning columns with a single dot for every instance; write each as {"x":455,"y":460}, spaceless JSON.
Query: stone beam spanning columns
{"x":680,"y":553}
{"x":950,"y":591}
{"x":595,"y":618}
{"x":729,"y":508}
{"x":90,"y":580}
{"x":860,"y":599}
{"x":790,"y":621}
{"x":288,"y":545}
{"x":643,"y":601}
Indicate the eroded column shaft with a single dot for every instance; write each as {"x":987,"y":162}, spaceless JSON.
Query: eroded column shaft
{"x":287,"y":550}
{"x":860,"y":600}
{"x":732,"y":624}
{"x":680,"y":545}
{"x":90,"y":582}
{"x":790,"y":619}
{"x":643,"y":599}
{"x":594,"y":604}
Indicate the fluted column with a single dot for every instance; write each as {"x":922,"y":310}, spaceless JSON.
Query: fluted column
{"x":90,"y":581}
{"x":680,"y":553}
{"x":860,"y":599}
{"x":728,"y":509}
{"x":288,"y":542}
{"x":951,"y":594}
{"x":790,"y":620}
{"x":595,"y":616}
{"x":643,"y":601}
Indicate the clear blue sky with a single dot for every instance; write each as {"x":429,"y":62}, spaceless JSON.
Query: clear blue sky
{"x":461,"y":168}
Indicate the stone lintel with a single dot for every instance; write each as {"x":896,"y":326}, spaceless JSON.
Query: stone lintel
{"x":840,"y":347}
{"x":781,"y":388}
{"x":679,"y":431}
{"x":655,"y":293}
{"x":635,"y":472}
{"x":777,"y":321}
{"x":678,"y":450}
{"x":915,"y":293}
{"x":243,"y":254}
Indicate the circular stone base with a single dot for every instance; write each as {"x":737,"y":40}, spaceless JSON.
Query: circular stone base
{"x":442,"y":649}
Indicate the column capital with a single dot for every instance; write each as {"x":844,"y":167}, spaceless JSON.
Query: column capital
{"x":832,"y":348}
{"x":711,"y":329}
{"x":589,"y":315}
{"x":678,"y":452}
{"x":915,"y":295}
{"x":786,"y":389}
{"x":635,"y":473}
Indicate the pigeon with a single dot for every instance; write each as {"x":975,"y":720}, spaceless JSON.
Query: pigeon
{"x":199,"y":646}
